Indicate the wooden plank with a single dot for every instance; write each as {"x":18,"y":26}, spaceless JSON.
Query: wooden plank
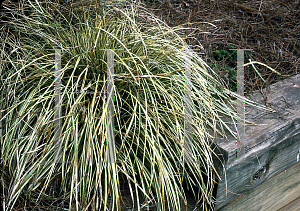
{"x":294,"y":205}
{"x":281,"y":192}
{"x":271,"y":147}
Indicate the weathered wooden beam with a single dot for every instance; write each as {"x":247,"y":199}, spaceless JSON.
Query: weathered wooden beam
{"x":281,"y":192}
{"x":271,"y":147}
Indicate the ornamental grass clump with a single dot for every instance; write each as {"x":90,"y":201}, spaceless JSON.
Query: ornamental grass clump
{"x":149,"y":83}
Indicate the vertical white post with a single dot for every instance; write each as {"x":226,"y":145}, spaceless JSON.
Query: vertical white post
{"x":57,"y":115}
{"x":187,"y":108}
{"x":110,"y":153}
{"x":240,"y":151}
{"x":110,"y":111}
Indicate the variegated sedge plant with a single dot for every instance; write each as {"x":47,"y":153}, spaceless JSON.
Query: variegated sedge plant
{"x":149,"y":109}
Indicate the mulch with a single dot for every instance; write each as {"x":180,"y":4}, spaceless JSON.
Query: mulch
{"x":270,"y":27}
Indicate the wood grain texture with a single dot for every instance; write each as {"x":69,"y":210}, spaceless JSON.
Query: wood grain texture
{"x":281,"y":192}
{"x":271,"y":147}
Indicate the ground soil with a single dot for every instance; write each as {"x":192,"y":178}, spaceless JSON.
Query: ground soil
{"x":270,"y":27}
